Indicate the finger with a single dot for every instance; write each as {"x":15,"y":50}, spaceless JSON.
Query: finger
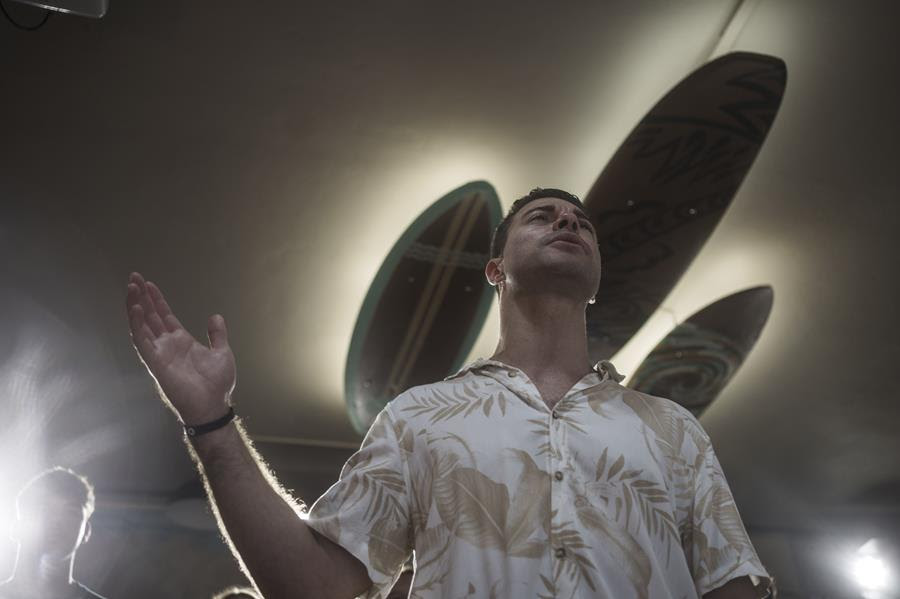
{"x":136,"y":278}
{"x":134,"y":311}
{"x":139,"y":328}
{"x":132,"y":299}
{"x":151,"y":316}
{"x":170,"y":321}
{"x":218,"y":334}
{"x":141,"y":335}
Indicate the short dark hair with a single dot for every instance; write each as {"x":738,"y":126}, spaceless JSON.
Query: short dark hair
{"x":57,"y":482}
{"x":236,"y":591}
{"x":498,"y":239}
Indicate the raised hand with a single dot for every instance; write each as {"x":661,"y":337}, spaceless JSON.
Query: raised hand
{"x":195,"y":380}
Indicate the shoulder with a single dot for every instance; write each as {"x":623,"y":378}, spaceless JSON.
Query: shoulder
{"x":664,"y":416}
{"x":460,"y":386}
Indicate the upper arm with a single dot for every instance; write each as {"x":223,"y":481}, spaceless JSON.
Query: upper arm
{"x":364,"y":518}
{"x":718,"y":547}
{"x":346,"y":576}
{"x":736,"y":588}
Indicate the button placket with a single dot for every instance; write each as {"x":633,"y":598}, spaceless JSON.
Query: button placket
{"x":555,"y":428}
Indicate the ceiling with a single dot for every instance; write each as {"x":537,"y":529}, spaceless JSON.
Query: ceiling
{"x":260,"y":161}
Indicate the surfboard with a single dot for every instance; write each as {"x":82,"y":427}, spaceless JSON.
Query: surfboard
{"x":694,"y":362}
{"x":426,"y":305}
{"x":669,"y":183}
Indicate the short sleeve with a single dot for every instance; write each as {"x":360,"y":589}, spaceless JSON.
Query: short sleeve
{"x":367,"y":511}
{"x":717,"y":545}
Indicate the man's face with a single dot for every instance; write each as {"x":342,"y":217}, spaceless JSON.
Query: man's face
{"x":55,"y":527}
{"x":552,"y":242}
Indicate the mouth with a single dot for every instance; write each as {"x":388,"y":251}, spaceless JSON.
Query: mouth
{"x":568,"y":239}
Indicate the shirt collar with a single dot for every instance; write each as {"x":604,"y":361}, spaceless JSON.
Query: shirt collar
{"x":604,"y":368}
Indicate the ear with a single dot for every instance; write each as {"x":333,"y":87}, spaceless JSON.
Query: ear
{"x":493,"y":271}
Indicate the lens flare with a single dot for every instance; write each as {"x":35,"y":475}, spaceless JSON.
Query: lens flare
{"x":871,"y":573}
{"x":870,"y":570}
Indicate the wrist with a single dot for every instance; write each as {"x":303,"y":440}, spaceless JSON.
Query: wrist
{"x":197,"y":412}
{"x":194,"y":430}
{"x":220,"y":451}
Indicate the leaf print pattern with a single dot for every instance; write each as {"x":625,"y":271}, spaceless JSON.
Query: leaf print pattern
{"x":406,"y":440}
{"x":479,"y":510}
{"x":377,"y":486}
{"x":529,"y":509}
{"x":387,"y":546}
{"x":486,"y":485}
{"x":473,"y":506}
{"x":541,"y":429}
{"x":441,"y":406}
{"x":577,"y":565}
{"x":648,"y":498}
{"x":549,"y":588}
{"x":598,"y":403}
{"x":621,"y":545}
{"x":366,"y":479}
{"x":666,"y":428}
{"x":717,"y":517}
{"x":568,"y":414}
{"x":666,"y":423}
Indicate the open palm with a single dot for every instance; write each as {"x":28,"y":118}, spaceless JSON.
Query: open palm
{"x":195,"y":379}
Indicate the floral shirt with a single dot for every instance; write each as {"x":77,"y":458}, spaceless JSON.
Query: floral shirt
{"x":613,"y":493}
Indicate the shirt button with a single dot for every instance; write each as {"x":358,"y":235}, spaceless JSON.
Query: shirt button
{"x":512,"y":374}
{"x":560,"y":552}
{"x":555,"y":414}
{"x":558,"y":475}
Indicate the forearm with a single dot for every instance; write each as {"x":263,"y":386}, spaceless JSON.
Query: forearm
{"x":276,"y":548}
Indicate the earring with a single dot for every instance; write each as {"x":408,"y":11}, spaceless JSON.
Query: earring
{"x":593,"y":300}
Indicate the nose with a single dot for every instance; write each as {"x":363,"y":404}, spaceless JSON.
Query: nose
{"x":566,"y":220}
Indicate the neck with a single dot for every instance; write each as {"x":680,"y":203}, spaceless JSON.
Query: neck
{"x":48,"y":573}
{"x":543,"y":335}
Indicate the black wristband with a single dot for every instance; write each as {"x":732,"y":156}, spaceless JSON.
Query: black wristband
{"x":195,"y":430}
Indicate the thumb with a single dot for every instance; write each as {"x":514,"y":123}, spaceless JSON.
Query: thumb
{"x":218,"y":334}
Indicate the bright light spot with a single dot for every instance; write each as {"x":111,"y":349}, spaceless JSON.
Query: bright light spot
{"x":869,"y":569}
{"x":870,"y":573}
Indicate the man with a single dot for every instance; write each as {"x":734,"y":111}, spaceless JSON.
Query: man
{"x":52,"y":521}
{"x":544,"y":478}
